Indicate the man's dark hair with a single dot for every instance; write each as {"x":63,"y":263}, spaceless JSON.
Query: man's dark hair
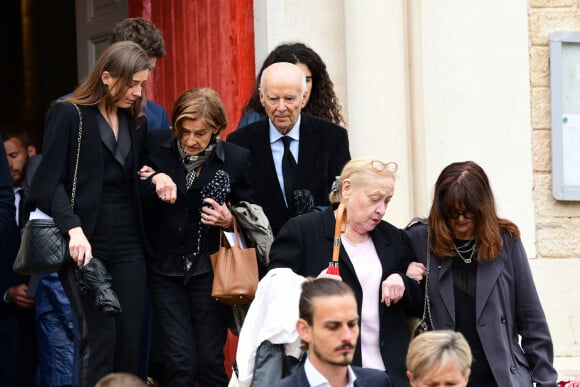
{"x":8,"y":131}
{"x":313,"y":288}
{"x":142,"y":32}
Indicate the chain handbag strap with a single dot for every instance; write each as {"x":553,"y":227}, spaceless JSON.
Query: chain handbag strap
{"x":427,"y":302}
{"x":74,"y":185}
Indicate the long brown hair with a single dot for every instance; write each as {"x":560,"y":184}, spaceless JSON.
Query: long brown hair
{"x":466,"y":185}
{"x":122,"y":60}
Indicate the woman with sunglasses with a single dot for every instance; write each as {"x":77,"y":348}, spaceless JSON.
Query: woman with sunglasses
{"x":374,"y":257}
{"x":480,"y":283}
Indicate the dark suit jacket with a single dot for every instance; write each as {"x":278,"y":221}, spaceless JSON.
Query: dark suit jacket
{"x":323,"y":151}
{"x":52,"y":183}
{"x":365,"y":377}
{"x":507,"y":305}
{"x":171,"y":227}
{"x":305,"y":245}
{"x":9,"y":242}
{"x":9,"y":237}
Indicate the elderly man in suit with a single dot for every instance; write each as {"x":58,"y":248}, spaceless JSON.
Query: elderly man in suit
{"x":328,"y":328}
{"x":291,"y":152}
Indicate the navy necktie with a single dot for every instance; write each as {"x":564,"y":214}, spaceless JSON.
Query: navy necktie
{"x":288,"y":169}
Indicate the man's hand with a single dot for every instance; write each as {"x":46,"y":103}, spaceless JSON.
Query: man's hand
{"x":17,"y":296}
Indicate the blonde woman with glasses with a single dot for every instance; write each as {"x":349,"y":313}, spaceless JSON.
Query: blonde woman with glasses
{"x":373,"y":259}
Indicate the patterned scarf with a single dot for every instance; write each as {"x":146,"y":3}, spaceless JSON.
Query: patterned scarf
{"x":191,"y":163}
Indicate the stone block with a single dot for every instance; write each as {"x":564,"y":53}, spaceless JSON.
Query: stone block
{"x":543,"y":21}
{"x":545,"y":204}
{"x":540,"y":66}
{"x":558,"y":237}
{"x":551,"y":3}
{"x":541,"y":151}
{"x":540,"y":108}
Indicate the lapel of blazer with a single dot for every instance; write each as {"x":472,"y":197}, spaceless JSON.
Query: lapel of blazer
{"x":307,"y":149}
{"x":138,"y":131}
{"x":441,"y":271}
{"x":382,"y":245}
{"x":488,"y":273}
{"x":167,"y":161}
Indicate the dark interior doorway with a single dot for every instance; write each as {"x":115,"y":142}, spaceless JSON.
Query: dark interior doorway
{"x":39,"y":59}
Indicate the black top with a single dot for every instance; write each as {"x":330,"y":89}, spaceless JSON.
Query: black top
{"x":464,"y":277}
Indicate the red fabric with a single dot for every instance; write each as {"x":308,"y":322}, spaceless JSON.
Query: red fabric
{"x":208,"y":43}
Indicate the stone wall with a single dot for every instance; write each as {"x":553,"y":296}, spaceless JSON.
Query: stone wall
{"x":557,"y":222}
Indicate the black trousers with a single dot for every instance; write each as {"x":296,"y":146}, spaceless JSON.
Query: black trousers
{"x":111,"y":343}
{"x":192,"y":330}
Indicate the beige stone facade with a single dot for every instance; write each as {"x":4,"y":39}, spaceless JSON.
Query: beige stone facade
{"x":557,"y":222}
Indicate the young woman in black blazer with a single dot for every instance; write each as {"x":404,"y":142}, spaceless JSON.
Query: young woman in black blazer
{"x":105,"y":221}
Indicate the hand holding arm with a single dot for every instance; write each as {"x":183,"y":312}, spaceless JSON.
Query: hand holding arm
{"x":145,"y":172}
{"x":165,"y":187}
{"x":416,"y":271}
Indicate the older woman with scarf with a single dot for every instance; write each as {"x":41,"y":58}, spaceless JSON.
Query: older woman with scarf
{"x":183,"y":226}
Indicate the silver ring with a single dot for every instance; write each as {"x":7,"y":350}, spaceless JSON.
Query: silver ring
{"x":75,"y":254}
{"x":162,"y":197}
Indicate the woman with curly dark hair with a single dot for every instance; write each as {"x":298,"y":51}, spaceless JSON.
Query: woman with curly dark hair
{"x":320,"y":99}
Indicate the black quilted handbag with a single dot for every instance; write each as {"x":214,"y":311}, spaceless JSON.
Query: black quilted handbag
{"x":43,"y":247}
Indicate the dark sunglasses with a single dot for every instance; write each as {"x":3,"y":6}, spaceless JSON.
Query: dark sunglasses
{"x":454,"y":214}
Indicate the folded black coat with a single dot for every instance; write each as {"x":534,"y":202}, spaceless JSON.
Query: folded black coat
{"x":94,"y":277}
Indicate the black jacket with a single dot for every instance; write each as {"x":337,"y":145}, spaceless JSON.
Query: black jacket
{"x":322,"y":153}
{"x":172,"y":228}
{"x":52,"y":182}
{"x":365,"y":377}
{"x":305,"y":245}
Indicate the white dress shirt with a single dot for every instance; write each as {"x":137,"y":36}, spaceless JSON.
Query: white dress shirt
{"x":316,"y":379}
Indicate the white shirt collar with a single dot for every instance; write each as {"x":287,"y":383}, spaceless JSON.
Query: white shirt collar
{"x":316,"y":379}
{"x":294,"y":133}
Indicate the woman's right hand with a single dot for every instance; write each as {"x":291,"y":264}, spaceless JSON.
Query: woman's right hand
{"x":79,"y":246}
{"x":164,"y":187}
{"x":416,"y":271}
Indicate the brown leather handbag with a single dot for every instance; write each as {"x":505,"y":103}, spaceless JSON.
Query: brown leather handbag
{"x":235,"y":270}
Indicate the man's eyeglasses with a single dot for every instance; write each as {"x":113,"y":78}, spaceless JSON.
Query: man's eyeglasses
{"x":454,"y":214}
{"x":379,"y":166}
